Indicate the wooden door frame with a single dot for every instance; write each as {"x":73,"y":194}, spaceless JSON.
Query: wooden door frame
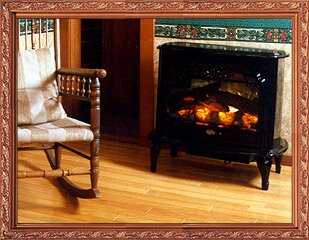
{"x":146,"y":119}
{"x":70,"y":42}
{"x":71,"y":57}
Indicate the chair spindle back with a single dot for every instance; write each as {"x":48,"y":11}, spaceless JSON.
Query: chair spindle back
{"x":40,"y":33}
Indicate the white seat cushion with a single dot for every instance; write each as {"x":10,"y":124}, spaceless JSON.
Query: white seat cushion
{"x":62,"y":130}
{"x":38,"y":99}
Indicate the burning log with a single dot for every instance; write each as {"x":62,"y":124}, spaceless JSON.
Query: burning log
{"x":211,"y":94}
{"x":249,"y":120}
{"x":226,"y":118}
{"x":210,"y":105}
{"x":202,"y":113}
{"x":239,"y":102}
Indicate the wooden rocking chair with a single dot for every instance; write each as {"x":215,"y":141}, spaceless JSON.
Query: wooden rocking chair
{"x":42,"y":122}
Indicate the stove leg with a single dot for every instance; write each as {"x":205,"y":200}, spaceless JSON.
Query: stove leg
{"x":278,"y":163}
{"x":174,"y":150}
{"x":155,"y":148}
{"x":264,"y":165}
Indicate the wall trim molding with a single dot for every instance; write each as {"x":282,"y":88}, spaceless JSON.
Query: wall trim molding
{"x":224,"y":33}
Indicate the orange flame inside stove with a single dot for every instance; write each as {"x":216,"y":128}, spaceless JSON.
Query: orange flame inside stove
{"x":249,"y":120}
{"x":214,"y":113}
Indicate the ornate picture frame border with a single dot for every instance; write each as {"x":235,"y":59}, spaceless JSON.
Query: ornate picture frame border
{"x":297,"y":10}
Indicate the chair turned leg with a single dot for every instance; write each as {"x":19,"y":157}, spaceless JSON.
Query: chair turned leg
{"x":278,"y":163}
{"x":264,"y":165}
{"x":155,"y":148}
{"x":58,"y":151}
{"x":94,"y":166}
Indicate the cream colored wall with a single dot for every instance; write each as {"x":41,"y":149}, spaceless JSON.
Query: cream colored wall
{"x":286,"y":120}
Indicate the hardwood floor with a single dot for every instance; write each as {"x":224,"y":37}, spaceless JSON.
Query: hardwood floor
{"x":186,"y":189}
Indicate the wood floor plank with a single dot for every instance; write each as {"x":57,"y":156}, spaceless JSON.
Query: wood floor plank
{"x":185,"y":189}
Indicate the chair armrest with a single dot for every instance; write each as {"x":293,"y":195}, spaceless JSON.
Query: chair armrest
{"x":78,"y":82}
{"x":84,"y":84}
{"x":83,"y":72}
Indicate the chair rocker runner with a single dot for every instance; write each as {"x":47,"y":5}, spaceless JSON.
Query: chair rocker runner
{"x":42,"y":122}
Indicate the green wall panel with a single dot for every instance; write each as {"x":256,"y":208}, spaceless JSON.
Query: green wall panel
{"x":253,"y":29}
{"x":232,"y":22}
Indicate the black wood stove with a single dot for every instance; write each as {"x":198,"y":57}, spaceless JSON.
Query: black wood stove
{"x":222,"y":102}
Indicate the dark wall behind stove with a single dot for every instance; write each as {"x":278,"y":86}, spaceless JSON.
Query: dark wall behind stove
{"x":92,"y":44}
{"x":113,"y":44}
